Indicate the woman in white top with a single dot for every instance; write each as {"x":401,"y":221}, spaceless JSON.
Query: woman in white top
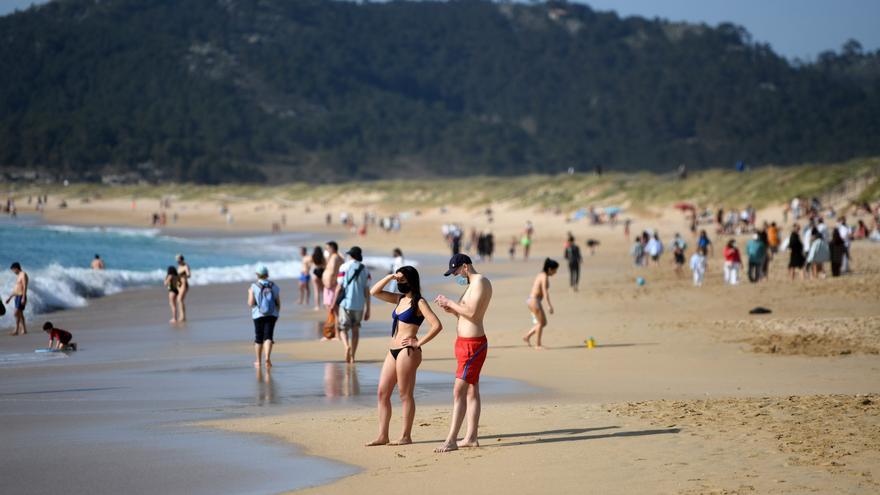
{"x":818,"y":254}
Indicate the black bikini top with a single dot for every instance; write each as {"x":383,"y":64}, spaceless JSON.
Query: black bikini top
{"x":409,"y":316}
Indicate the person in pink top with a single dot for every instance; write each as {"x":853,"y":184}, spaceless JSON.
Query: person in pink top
{"x":732,"y":263}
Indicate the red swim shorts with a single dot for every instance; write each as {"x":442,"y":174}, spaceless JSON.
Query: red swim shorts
{"x":471,"y":354}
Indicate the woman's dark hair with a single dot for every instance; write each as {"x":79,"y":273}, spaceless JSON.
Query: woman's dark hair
{"x":550,"y":265}
{"x":835,"y":236}
{"x":815,"y":233}
{"x":397,"y":252}
{"x":172,"y":270}
{"x":318,"y":256}
{"x":412,"y":279}
{"x":48,"y":325}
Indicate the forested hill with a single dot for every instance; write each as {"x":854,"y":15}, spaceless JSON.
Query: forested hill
{"x":223,"y":90}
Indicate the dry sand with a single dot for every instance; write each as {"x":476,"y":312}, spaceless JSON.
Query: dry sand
{"x":672,"y":401}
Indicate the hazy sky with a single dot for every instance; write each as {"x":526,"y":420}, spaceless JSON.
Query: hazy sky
{"x":794,"y":28}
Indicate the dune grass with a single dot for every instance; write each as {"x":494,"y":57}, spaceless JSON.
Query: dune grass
{"x":853,"y":180}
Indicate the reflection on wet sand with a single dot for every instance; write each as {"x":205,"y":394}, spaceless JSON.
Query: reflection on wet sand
{"x":267,"y":389}
{"x":341,"y":380}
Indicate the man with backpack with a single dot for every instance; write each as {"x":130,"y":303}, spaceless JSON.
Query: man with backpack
{"x":352,"y":300}
{"x":264,"y":299}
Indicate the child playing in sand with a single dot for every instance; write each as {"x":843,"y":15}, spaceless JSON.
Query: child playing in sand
{"x":698,"y":266}
{"x":59,"y":340}
{"x":540,"y":291}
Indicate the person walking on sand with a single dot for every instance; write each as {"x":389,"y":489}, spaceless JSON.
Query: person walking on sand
{"x":837,"y":248}
{"x":678,"y":251}
{"x":97,"y":263}
{"x":654,"y":248}
{"x":573,"y":256}
{"x":471,"y":347}
{"x":172,"y":284}
{"x":819,"y":254}
{"x":540,"y":291}
{"x":353,"y":294}
{"x":526,"y":240}
{"x":405,"y":351}
{"x":796,"y":259}
{"x":185,"y":274}
{"x":698,"y":266}
{"x":319,"y":265}
{"x":704,"y":243}
{"x":20,"y":295}
{"x":757,"y":252}
{"x":305,"y":276}
{"x":732,"y":263}
{"x":331,"y":272}
{"x":264,"y":299}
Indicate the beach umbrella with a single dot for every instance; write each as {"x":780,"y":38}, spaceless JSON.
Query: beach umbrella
{"x":684,"y":206}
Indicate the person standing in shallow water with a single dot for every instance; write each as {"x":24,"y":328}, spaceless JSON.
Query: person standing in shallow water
{"x":471,"y":347}
{"x":405,"y":351}
{"x":573,"y":256}
{"x":264,"y":299}
{"x":185,"y":274}
{"x":20,"y":295}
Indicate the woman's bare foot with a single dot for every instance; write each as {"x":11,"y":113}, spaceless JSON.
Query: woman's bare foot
{"x":257,"y":364}
{"x":471,"y":444}
{"x":539,"y":348}
{"x":528,"y":340}
{"x":316,"y":308}
{"x":446,"y":447}
{"x":402,"y":441}
{"x":13,"y":333}
{"x":377,"y":442}
{"x":268,"y":363}
{"x":172,"y":321}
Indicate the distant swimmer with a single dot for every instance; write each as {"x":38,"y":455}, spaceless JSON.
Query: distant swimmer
{"x":185,"y":274}
{"x":59,"y":340}
{"x":405,"y":352}
{"x":172,"y":284}
{"x":97,"y":263}
{"x":540,"y":292}
{"x":20,"y":294}
{"x":471,"y":347}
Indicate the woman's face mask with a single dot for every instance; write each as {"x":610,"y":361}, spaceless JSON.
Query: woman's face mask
{"x":403,"y":287}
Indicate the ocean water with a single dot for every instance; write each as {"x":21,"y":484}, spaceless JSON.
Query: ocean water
{"x":57,"y":259}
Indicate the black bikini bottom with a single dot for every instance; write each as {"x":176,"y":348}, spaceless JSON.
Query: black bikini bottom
{"x":395,"y":352}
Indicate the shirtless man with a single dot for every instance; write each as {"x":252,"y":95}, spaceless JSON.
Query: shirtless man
{"x":20,"y":295}
{"x":331,"y":273}
{"x":470,"y":349}
{"x":97,"y":263}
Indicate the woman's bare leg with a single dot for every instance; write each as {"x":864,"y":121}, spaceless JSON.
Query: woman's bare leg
{"x":172,"y":302}
{"x":319,"y":290}
{"x":387,"y":381}
{"x":408,"y":362}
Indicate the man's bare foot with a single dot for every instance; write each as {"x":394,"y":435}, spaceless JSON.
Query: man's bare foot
{"x":377,"y":442}
{"x":539,"y":348}
{"x":402,"y":441}
{"x":257,"y":364}
{"x":527,"y":340}
{"x":13,"y":333}
{"x":471,"y":444}
{"x":172,"y":321}
{"x":316,"y":308}
{"x":446,"y":447}
{"x":268,"y":363}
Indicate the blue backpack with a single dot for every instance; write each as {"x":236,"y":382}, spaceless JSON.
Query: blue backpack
{"x":266,"y":298}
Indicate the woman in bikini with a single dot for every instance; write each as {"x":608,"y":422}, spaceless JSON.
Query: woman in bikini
{"x":318,"y":265}
{"x":184,"y":273}
{"x":540,"y":291}
{"x":172,"y":283}
{"x":405,"y":353}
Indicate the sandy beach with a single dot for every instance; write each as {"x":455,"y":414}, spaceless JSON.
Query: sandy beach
{"x":686,"y":392}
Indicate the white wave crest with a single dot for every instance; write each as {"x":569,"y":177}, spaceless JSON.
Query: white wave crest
{"x":58,"y":287}
{"x":121,"y":231}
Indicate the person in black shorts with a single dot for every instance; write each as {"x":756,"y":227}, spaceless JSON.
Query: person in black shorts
{"x":264,"y":299}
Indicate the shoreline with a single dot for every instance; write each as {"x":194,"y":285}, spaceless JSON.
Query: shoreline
{"x":673,"y":398}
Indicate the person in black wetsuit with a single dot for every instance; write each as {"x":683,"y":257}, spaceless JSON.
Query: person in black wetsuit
{"x":573,"y":256}
{"x":405,"y":353}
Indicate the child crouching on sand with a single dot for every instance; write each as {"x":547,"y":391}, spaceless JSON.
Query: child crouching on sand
{"x":59,"y":339}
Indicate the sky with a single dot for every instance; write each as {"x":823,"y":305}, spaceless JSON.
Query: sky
{"x":794,"y":28}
